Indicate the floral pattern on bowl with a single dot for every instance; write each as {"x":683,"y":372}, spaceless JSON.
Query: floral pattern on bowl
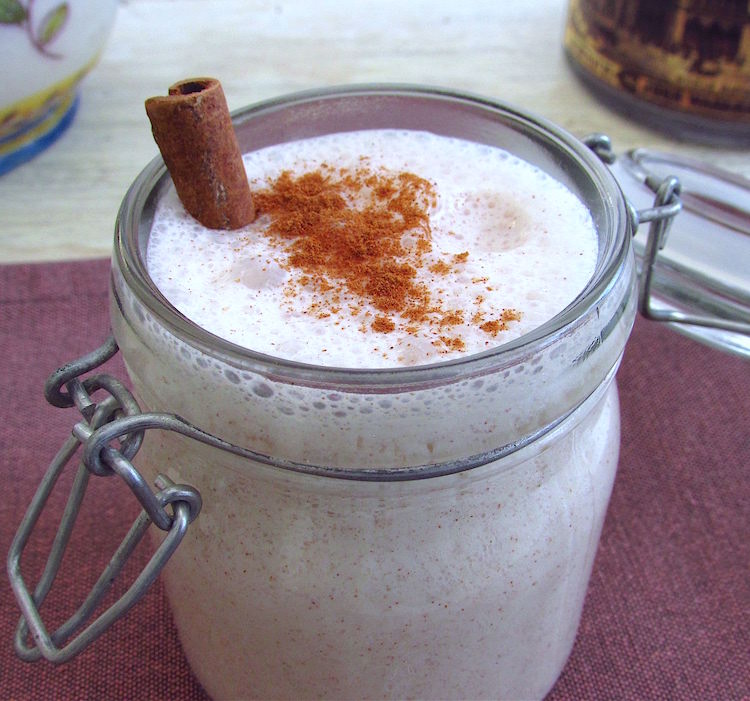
{"x":46,"y":47}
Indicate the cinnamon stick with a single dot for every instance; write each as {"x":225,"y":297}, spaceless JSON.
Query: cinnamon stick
{"x":193,"y":130}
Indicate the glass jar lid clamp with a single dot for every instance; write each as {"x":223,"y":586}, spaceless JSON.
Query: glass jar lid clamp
{"x":699,"y":285}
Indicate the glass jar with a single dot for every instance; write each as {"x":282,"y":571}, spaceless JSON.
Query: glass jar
{"x":680,"y":66}
{"x":417,"y":532}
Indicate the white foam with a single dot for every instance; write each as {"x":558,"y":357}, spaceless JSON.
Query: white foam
{"x":532,"y":248}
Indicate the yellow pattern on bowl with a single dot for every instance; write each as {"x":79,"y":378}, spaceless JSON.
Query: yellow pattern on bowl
{"x":46,"y":47}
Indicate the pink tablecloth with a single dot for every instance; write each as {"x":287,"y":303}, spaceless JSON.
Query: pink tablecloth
{"x":666,"y":615}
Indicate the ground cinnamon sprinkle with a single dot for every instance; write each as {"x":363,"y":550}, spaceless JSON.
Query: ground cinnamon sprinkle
{"x":365,"y":233}
{"x":383,"y":324}
{"x":496,"y":325}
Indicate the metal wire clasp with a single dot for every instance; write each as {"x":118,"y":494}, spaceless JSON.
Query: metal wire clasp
{"x":110,"y":435}
{"x":667,"y":205}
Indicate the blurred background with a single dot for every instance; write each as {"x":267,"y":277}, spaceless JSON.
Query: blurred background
{"x":62,"y":204}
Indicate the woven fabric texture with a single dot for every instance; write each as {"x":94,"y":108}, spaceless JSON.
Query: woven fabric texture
{"x":666,"y":616}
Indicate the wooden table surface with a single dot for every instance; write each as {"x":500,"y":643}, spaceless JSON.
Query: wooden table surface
{"x":63,"y":204}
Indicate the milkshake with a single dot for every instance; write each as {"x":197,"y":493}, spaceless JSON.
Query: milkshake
{"x":416,"y":479}
{"x":491,"y":248}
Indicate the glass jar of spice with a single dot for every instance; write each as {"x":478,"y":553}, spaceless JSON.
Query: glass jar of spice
{"x":677,"y":65}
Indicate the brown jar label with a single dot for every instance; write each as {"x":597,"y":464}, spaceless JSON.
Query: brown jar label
{"x":689,"y":55}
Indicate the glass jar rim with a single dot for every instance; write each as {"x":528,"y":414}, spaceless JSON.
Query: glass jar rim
{"x":561,"y":150}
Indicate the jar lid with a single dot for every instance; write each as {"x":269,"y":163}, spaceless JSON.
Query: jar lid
{"x":704,"y":267}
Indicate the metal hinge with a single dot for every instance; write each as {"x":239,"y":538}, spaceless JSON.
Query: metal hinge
{"x":666,"y":207}
{"x":108,"y":437}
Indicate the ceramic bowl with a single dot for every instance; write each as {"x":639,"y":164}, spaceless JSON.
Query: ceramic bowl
{"x":46,"y":47}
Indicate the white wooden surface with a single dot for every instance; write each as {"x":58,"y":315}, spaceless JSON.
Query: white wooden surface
{"x":62,"y":205}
